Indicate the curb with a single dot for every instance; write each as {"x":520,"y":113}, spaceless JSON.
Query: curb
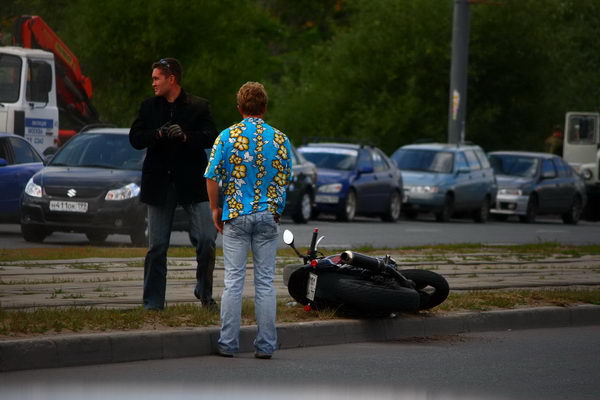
{"x":103,"y":348}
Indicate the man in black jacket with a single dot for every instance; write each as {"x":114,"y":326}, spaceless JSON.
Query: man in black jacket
{"x":175,"y":127}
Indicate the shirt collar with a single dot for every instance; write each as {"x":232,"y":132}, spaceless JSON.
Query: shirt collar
{"x":254,"y":120}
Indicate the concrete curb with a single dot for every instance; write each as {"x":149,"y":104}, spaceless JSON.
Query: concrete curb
{"x":102,"y":348}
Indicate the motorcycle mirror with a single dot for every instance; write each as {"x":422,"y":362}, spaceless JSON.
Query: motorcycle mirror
{"x":319,"y":241}
{"x":288,"y":237}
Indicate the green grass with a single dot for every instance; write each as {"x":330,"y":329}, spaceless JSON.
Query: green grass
{"x":534,"y":251}
{"x":80,"y":319}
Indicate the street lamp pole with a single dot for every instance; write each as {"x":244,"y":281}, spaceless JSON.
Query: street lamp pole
{"x":458,"y":74}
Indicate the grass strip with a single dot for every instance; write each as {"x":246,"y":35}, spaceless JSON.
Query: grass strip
{"x":71,"y":253}
{"x":86,"y":319}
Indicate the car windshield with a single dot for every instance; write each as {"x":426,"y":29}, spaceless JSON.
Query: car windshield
{"x":513,"y":165}
{"x":424,"y":160}
{"x":331,"y":158}
{"x":100,"y":150}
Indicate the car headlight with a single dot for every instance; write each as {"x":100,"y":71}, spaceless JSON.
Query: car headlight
{"x":586,"y":174}
{"x":510,"y":191}
{"x":330,"y":188}
{"x":33,"y":189}
{"x":126,"y":192}
{"x":424,"y":189}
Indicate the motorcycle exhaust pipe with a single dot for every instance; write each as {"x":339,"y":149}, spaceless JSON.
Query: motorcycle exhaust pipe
{"x":363,"y":261}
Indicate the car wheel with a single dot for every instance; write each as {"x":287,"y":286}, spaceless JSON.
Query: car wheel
{"x":33,"y":234}
{"x":139,"y":237}
{"x":531,"y":212}
{"x":481,"y":214}
{"x":96,"y":237}
{"x":302,"y":213}
{"x":348,"y":211}
{"x":572,"y":216}
{"x":447,"y":210}
{"x":394,"y":207}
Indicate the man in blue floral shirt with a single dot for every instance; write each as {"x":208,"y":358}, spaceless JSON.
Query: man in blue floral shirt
{"x":252,"y":162}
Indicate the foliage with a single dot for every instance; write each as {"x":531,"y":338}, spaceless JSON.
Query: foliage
{"x":376,"y":70}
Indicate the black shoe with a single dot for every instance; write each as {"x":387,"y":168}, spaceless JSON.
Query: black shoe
{"x":224,"y":353}
{"x":262,"y":356}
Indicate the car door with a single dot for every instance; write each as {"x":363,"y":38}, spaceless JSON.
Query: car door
{"x":384,"y":178}
{"x":22,"y":162}
{"x":462,"y":181}
{"x":566,"y":185}
{"x":548,"y":187}
{"x":476,"y":190}
{"x":365,"y":182}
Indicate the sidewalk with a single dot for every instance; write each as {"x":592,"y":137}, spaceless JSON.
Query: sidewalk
{"x":117,"y":283}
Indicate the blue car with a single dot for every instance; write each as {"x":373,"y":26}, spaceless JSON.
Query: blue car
{"x":354,"y":179}
{"x":19,"y":160}
{"x":446,"y":178}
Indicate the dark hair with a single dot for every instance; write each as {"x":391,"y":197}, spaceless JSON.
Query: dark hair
{"x":169,"y":66}
{"x":252,"y":98}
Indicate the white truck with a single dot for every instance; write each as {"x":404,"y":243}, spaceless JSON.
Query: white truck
{"x":40,"y":83}
{"x":581,"y":149}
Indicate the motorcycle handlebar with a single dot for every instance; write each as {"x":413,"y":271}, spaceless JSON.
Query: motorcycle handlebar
{"x":313,"y":243}
{"x":361,"y":260}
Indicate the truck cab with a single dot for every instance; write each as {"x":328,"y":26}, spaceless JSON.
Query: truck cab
{"x":28,"y":105}
{"x":581,"y":149}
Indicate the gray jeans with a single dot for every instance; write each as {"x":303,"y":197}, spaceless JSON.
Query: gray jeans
{"x":202,"y":236}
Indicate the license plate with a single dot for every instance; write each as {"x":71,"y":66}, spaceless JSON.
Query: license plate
{"x":312,"y":286}
{"x":69,"y":206}
{"x":327,"y":199}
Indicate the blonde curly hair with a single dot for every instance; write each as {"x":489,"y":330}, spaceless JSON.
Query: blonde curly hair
{"x":252,"y":99}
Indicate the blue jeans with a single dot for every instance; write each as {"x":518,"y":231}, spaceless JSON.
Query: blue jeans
{"x":202,"y":236}
{"x":259,"y":233}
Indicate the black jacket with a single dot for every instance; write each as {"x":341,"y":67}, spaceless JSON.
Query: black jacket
{"x":170,"y":161}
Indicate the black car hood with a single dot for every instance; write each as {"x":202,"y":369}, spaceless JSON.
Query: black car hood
{"x":78,"y":177}
{"x":507,"y":181}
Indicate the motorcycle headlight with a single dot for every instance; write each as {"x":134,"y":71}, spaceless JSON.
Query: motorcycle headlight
{"x":33,"y":189}
{"x":126,"y":192}
{"x":330,"y":188}
{"x":424,"y":189}
{"x":510,"y":191}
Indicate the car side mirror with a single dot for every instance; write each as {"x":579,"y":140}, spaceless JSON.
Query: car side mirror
{"x":3,"y":162}
{"x":366,"y":169}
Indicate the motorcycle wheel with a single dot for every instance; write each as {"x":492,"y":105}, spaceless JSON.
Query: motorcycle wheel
{"x":371,"y":297}
{"x":432,"y":287}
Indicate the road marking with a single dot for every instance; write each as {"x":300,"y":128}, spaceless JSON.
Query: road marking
{"x":421,"y":230}
{"x":550,"y":231}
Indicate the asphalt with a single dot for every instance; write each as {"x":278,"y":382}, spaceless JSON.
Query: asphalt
{"x":117,"y":283}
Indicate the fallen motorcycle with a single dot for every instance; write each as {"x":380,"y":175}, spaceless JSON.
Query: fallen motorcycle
{"x":357,"y":282}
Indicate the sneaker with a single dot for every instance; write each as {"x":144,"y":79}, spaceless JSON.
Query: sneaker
{"x":262,"y":356}
{"x":224,"y":353}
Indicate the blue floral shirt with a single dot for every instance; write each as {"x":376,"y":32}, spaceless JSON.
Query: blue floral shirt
{"x":252,"y":161}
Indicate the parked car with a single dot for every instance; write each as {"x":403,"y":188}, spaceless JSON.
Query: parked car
{"x":446,"y":178}
{"x":354,"y":179}
{"x":19,"y":160}
{"x":91,"y":186}
{"x":530,"y":184}
{"x":301,"y":192}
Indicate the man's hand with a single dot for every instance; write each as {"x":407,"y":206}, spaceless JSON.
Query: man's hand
{"x":176,"y":133}
{"x":217,"y":214}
